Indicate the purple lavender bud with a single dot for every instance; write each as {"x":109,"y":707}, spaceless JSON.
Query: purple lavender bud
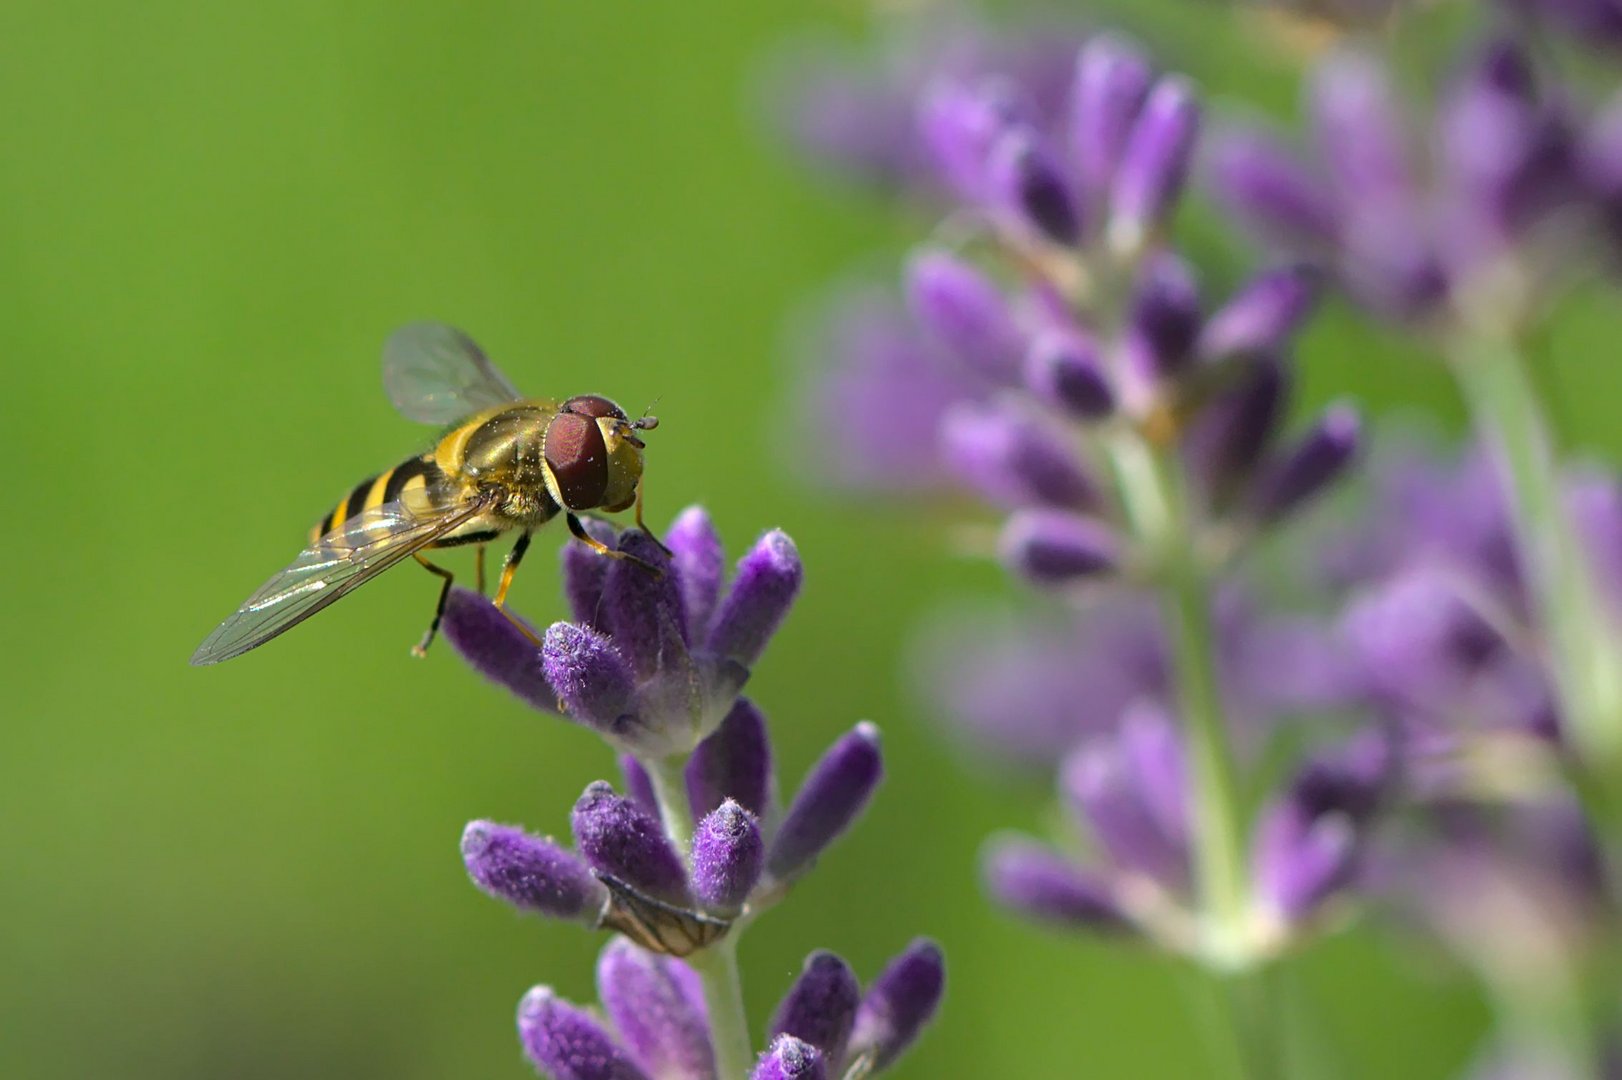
{"x":620,"y":838}
{"x":1112,"y":81}
{"x":565,"y":1043}
{"x":1300,"y":864}
{"x":656,"y":1019}
{"x":1263,"y":315}
{"x":1312,"y":466}
{"x":1125,"y":791}
{"x":1154,"y":163}
{"x":1360,"y":131}
{"x":965,"y":314}
{"x":790,"y":1059}
{"x":1593,"y":22}
{"x":638,"y":784}
{"x":1239,"y":426}
{"x":1051,"y":547}
{"x":1165,"y":317}
{"x":820,"y":1007}
{"x":734,"y":762}
{"x":700,"y":563}
{"x":1026,"y":181}
{"x":495,"y":648}
{"x":959,"y":125}
{"x":1065,"y":370}
{"x":643,"y":610}
{"x":1014,"y":458}
{"x":1041,"y":884}
{"x":530,"y":873}
{"x":585,"y":571}
{"x":899,"y":1003}
{"x":1272,"y":191}
{"x":590,"y":676}
{"x":830,"y":799}
{"x":767,"y":581}
{"x":728,"y":855}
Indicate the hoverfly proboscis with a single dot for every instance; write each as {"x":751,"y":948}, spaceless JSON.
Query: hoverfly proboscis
{"x":507,"y":463}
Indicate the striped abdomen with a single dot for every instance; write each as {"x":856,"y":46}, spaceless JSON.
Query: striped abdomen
{"x":417,"y":479}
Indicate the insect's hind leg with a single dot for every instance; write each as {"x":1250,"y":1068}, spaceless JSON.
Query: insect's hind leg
{"x":421,"y":648}
{"x":478,"y":567}
{"x":509,"y":567}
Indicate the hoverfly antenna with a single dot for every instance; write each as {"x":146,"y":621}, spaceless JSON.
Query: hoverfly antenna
{"x":647,"y":421}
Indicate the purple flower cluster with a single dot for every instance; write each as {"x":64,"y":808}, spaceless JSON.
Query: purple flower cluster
{"x":1514,"y":183}
{"x":699,"y":845}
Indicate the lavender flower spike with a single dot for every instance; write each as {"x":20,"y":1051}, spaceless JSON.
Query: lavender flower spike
{"x":530,"y":873}
{"x":829,"y":800}
{"x":768,"y":580}
{"x":565,"y":1043}
{"x":728,"y":855}
{"x":790,"y":1059}
{"x":619,"y":838}
{"x":820,"y":1007}
{"x":657,"y":1020}
{"x":899,"y":1003}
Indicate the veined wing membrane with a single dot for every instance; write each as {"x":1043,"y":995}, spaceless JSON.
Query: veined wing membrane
{"x":436,"y":374}
{"x":329,"y":569}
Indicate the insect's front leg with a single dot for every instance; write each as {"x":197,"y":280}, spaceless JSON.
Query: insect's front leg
{"x":601,"y":548}
{"x":644,"y":525}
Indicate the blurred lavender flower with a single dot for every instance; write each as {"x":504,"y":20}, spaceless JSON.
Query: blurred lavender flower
{"x":1482,"y":228}
{"x":1592,"y":23}
{"x":657,"y":1025}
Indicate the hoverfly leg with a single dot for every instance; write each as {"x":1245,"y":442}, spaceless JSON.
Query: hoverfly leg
{"x":601,"y":548}
{"x":478,"y":567}
{"x":420,"y":650}
{"x":509,"y":567}
{"x":644,"y":525}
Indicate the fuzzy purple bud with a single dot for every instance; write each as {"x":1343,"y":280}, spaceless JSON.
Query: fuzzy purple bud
{"x":700,"y":564}
{"x":1065,"y":370}
{"x":790,"y":1059}
{"x":1154,"y":163}
{"x":1165,"y":317}
{"x":496,"y":649}
{"x":964,"y":313}
{"x":1262,"y":316}
{"x":767,"y":581}
{"x":591,"y":678}
{"x":619,"y":838}
{"x":1238,"y":427}
{"x":656,"y":1019}
{"x":1130,"y":788}
{"x":1270,"y":189}
{"x":530,"y":873}
{"x":642,"y":607}
{"x":820,"y":1007}
{"x":959,"y":126}
{"x":1112,"y":81}
{"x":1312,"y":466}
{"x":734,"y":762}
{"x":1028,"y":185}
{"x":565,"y":1043}
{"x":1014,"y":458}
{"x":638,"y":784}
{"x":1360,"y":131}
{"x":1051,"y":547}
{"x":728,"y":855}
{"x":1039,"y":883}
{"x":585,"y":571}
{"x":832,"y":797}
{"x":899,"y":1003}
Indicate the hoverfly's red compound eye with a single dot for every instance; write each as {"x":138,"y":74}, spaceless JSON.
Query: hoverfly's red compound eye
{"x":578,"y":457}
{"x":595,"y":406}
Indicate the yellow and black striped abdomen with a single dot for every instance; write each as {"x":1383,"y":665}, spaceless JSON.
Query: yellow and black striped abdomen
{"x":412,"y":477}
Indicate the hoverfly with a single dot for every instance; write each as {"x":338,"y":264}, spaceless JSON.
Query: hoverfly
{"x":507,"y":463}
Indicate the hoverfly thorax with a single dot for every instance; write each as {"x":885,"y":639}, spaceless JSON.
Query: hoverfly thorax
{"x":594,"y":454}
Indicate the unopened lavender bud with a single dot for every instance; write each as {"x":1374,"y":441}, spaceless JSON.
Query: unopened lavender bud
{"x":1154,"y":163}
{"x":1028,"y":185}
{"x":1065,"y":370}
{"x":1041,"y":884}
{"x":590,"y":676}
{"x":820,"y":1007}
{"x":733,"y":762}
{"x":1126,"y":790}
{"x":1300,"y":864}
{"x":728,"y":855}
{"x":642,"y":607}
{"x":585,"y":571}
{"x":899,"y":1003}
{"x":1315,"y":463}
{"x":700,"y":565}
{"x":530,"y":873}
{"x":832,"y":797}
{"x":964,"y":313}
{"x":959,"y":125}
{"x":1239,"y":426}
{"x":790,"y":1059}
{"x":659,"y":1023}
{"x":1269,"y":188}
{"x":767,"y":581}
{"x":1112,"y":80}
{"x":1165,"y":317}
{"x":1051,"y":547}
{"x":620,"y":838}
{"x":495,"y":648}
{"x":638,"y":784}
{"x":1263,"y":315}
{"x":1013,"y":457}
{"x":565,"y":1043}
{"x":1360,"y":129}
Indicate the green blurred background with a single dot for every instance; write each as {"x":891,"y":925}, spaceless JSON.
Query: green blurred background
{"x":210,"y":217}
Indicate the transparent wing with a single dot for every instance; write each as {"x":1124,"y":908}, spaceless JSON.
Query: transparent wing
{"x":335,"y":565}
{"x":436,"y":374}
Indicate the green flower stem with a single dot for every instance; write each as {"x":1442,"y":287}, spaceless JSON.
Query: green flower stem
{"x":1584,"y":650}
{"x":716,"y":966}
